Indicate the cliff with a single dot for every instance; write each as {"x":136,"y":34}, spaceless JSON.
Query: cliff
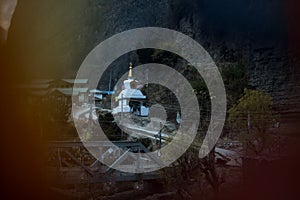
{"x":50,"y":39}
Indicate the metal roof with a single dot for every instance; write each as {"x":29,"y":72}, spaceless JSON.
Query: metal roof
{"x":72,"y":91}
{"x":101,"y":91}
{"x":35,"y":86}
{"x":76,"y":81}
{"x":41,"y":81}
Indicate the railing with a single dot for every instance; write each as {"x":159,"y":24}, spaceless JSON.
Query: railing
{"x":71,"y":162}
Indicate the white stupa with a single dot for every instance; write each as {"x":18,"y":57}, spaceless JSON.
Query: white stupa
{"x":129,"y":93}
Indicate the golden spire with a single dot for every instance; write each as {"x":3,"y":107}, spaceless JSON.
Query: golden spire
{"x":130,"y":70}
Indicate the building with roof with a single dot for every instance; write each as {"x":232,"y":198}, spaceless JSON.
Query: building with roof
{"x":131,"y":93}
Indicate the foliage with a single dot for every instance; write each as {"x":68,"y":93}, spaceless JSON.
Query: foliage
{"x":208,"y":167}
{"x":251,"y":117}
{"x":190,"y":167}
{"x":202,"y":93}
{"x":235,"y":80}
{"x":164,"y":57}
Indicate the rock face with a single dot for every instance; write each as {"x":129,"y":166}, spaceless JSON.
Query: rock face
{"x":52,"y":38}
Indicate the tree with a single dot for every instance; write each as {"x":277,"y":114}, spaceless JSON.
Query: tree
{"x":251,"y":117}
{"x":209,"y":168}
{"x":235,"y":80}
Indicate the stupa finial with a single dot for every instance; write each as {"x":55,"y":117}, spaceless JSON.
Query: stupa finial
{"x":130,"y":70}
